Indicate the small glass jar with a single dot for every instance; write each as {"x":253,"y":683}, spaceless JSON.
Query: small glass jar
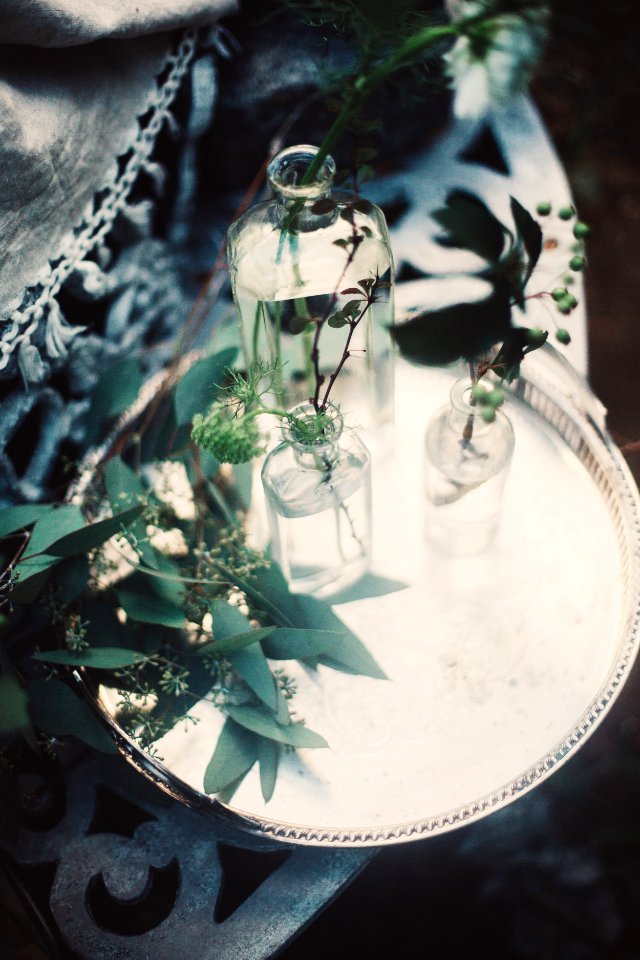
{"x":318,"y":497}
{"x":296,"y":261}
{"x":467,"y":460}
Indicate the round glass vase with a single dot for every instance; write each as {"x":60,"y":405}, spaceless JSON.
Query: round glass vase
{"x":467,"y":461}
{"x":296,"y":262}
{"x":318,"y":497}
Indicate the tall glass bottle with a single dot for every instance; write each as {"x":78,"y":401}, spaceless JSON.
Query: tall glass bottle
{"x":467,"y":460}
{"x":296,"y":262}
{"x":318,"y":498}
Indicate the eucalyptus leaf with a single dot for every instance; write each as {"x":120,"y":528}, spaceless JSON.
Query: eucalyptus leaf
{"x":59,"y":712}
{"x":251,"y":663}
{"x":351,"y":652}
{"x":243,"y":482}
{"x":264,"y":598}
{"x":237,"y":642}
{"x":32,"y":573}
{"x":147,"y":608}
{"x":268,"y":588}
{"x":16,"y":518}
{"x":300,"y":643}
{"x":370,"y":585}
{"x":260,"y":721}
{"x":125,"y":489}
{"x":102,"y":658}
{"x":116,"y":389}
{"x":14,"y":715}
{"x":269,"y":752}
{"x":227,"y":620}
{"x":104,"y":630}
{"x":71,"y":577}
{"x":93,"y":534}
{"x":52,"y":526}
{"x":235,"y":753}
{"x":201,"y":384}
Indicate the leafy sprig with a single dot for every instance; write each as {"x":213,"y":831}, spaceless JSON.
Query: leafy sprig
{"x":470,"y":330}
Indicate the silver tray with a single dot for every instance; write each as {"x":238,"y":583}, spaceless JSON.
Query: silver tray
{"x":499,"y":666}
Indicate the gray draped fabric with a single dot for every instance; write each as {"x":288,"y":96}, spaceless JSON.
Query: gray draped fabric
{"x":85,"y":88}
{"x":66,"y":114}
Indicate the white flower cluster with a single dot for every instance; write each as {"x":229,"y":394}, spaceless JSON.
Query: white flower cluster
{"x":487,"y":66}
{"x":170,"y":484}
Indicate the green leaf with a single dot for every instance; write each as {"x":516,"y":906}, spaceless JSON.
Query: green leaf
{"x":227,"y":619}
{"x":351,"y":652}
{"x":516,"y":345}
{"x":439,"y":337}
{"x":251,"y":664}
{"x":298,"y":324}
{"x":59,"y":712}
{"x":337,"y":320}
{"x":235,"y":753}
{"x":201,"y":384}
{"x":267,"y":588}
{"x":116,"y":390}
{"x":94,"y":534}
{"x":33,"y":574}
{"x":149,"y":608}
{"x":299,"y":643}
{"x":125,"y":489}
{"x":237,"y":642}
{"x":102,"y":658}
{"x":16,"y":518}
{"x":530,"y":233}
{"x":71,"y":577}
{"x":243,"y":482}
{"x":54,"y":525}
{"x":469,"y":223}
{"x":14,"y":715}
{"x":370,"y":585}
{"x":263,"y":723}
{"x":269,"y":752}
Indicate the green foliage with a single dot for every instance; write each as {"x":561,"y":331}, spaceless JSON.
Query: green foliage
{"x":200,"y":385}
{"x":470,"y":331}
{"x":14,"y":716}
{"x":117,"y":388}
{"x":104,"y":658}
{"x":59,"y":712}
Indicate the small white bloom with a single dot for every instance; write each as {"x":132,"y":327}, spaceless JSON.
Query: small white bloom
{"x":488,"y":66}
{"x":169,"y":542}
{"x":170,"y":483}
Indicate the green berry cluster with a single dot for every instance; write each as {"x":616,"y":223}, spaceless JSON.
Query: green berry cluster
{"x":564,"y":300}
{"x":488,"y":399}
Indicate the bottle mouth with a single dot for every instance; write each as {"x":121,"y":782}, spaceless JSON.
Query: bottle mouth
{"x":307,"y":432}
{"x":289,"y":167}
{"x":462,"y":399}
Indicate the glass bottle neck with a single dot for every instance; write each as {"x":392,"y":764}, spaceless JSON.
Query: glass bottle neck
{"x":297,"y":201}
{"x":465,"y":416}
{"x":319,"y":454}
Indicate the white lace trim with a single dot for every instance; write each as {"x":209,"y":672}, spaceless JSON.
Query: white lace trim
{"x":24,"y":321}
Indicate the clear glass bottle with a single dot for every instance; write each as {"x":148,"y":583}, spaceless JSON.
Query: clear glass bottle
{"x":297,"y":260}
{"x":467,"y":461}
{"x":318,"y":499}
